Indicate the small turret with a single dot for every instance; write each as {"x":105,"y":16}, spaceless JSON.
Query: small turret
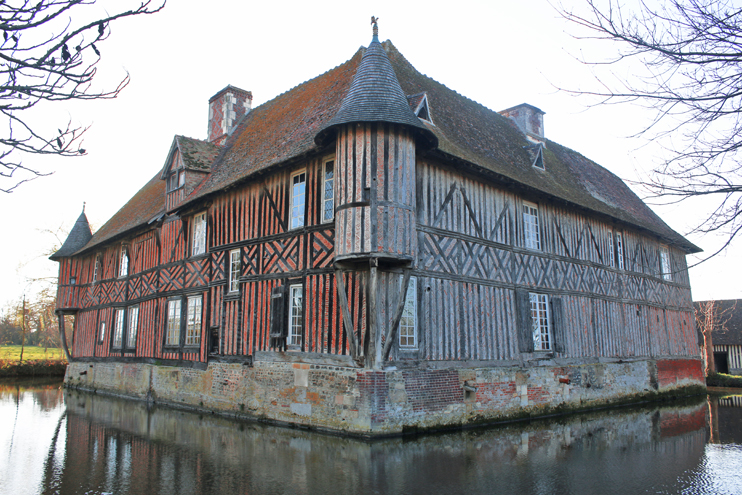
{"x":78,"y":237}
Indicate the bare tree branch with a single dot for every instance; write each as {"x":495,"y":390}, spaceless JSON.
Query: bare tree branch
{"x":45,"y":56}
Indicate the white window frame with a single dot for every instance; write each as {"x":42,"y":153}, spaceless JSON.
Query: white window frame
{"x":296,"y":315}
{"x":102,"y":335}
{"x":611,"y":250}
{"x":194,"y":311}
{"x":235,"y":266}
{"x":124,"y":266}
{"x":172,"y":323}
{"x":665,"y":269}
{"x":198,"y":245}
{"x":531,"y":229}
{"x":408,"y":322}
{"x":298,"y":204}
{"x":118,"y":328}
{"x":328,"y":182}
{"x":541,"y":322}
{"x":131,"y":327}
{"x":96,"y":267}
{"x":619,"y":250}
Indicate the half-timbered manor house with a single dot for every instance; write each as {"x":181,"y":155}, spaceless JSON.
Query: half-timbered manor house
{"x":373,"y":252}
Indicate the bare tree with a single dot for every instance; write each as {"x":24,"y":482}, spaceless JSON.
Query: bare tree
{"x":48,"y":52}
{"x":686,"y":57}
{"x":712,"y":315}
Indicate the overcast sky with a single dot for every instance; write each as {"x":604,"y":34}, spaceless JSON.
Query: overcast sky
{"x":497,"y":53}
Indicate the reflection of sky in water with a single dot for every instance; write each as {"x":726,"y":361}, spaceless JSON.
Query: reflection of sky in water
{"x":107,"y":445}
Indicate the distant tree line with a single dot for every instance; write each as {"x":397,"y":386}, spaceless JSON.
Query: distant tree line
{"x":41,"y":326}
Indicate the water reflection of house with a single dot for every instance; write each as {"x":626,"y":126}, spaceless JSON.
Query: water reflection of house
{"x":375,"y":253}
{"x":724,"y":318}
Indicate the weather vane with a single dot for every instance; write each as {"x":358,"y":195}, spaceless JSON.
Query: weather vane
{"x":375,"y":24}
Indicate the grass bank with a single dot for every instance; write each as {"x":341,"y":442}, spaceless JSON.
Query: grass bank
{"x":36,"y":362}
{"x":30,"y":353}
{"x":723,"y":380}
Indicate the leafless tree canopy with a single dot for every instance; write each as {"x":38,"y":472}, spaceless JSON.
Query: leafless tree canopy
{"x":688,"y":60}
{"x":48,"y":52}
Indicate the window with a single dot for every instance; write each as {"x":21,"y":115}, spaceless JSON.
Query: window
{"x":73,"y":280}
{"x":172,"y":334}
{"x":181,"y":178}
{"x":199,"y":234}
{"x":611,"y":254}
{"x":665,"y":263}
{"x":131,"y":335}
{"x":408,"y":323}
{"x":234,"y":270}
{"x":96,"y":267}
{"x":540,"y":321}
{"x":298,"y":196}
{"x":328,"y":198}
{"x":193,"y":321}
{"x":619,"y":250}
{"x":296,"y":320}
{"x":102,"y":332}
{"x":118,"y":328}
{"x":175,"y":180}
{"x":124,"y":268}
{"x":530,"y":226}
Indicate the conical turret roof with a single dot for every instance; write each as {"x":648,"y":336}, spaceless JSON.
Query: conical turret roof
{"x":78,"y":238}
{"x":375,"y":96}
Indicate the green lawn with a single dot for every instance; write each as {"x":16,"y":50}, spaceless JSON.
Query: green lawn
{"x":30,"y":353}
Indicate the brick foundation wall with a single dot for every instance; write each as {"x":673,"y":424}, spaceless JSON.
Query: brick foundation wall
{"x":365,"y":402}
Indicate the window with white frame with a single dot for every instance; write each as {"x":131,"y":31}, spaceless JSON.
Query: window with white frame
{"x":96,"y":268}
{"x":296,"y":315}
{"x":298,"y":199}
{"x":118,"y":328}
{"x":172,"y":332}
{"x":408,"y":322}
{"x":102,"y":335}
{"x":199,"y":234}
{"x":234,"y":270}
{"x":665,"y":263}
{"x":619,"y":250}
{"x":131,"y":335}
{"x":540,"y":321}
{"x":124,"y":267}
{"x":328,"y":197}
{"x":611,"y":250}
{"x":530,"y":226}
{"x":193,"y":321}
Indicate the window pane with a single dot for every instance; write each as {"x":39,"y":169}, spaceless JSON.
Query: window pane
{"x":530,"y":226}
{"x":407,"y":324}
{"x":234,"y":270}
{"x":329,"y":196}
{"x":124,"y":263}
{"x":118,"y":330}
{"x":131,"y":337}
{"x":193,"y":321}
{"x":540,"y":320}
{"x":199,"y":234}
{"x":619,"y":249}
{"x":173,"y":323}
{"x":297,"y":200}
{"x":296,"y":322}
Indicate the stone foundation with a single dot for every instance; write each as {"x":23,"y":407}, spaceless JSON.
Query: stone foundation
{"x":390,"y":402}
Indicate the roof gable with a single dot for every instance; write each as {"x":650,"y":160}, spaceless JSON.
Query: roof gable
{"x":192,"y":154}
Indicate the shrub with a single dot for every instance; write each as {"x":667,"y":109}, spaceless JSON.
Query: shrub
{"x":41,"y":367}
{"x":723,"y":380}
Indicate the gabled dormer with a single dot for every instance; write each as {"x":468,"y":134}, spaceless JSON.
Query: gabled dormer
{"x":187,"y":165}
{"x":419,"y":105}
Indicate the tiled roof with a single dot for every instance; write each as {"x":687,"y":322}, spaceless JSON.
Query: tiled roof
{"x":196,"y":154}
{"x":77,"y":238}
{"x":284,"y":129}
{"x":375,"y":96}
{"x":729,"y":330}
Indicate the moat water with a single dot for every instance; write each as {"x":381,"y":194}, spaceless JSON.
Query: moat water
{"x":58,"y":441}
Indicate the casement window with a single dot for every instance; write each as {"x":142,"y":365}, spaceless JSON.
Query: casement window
{"x":199,"y":234}
{"x":328,"y":197}
{"x":193,"y":321}
{"x":611,"y":254}
{"x":296,"y":315}
{"x":540,"y":321}
{"x":172,"y":331}
{"x":96,"y":268}
{"x":665,"y":263}
{"x":298,"y":199}
{"x":118,"y":328}
{"x":131,"y":326}
{"x":531,"y":226}
{"x":102,"y":334}
{"x":408,"y":322}
{"x":175,"y":180}
{"x":619,"y":250}
{"x":234,"y":270}
{"x":124,"y":266}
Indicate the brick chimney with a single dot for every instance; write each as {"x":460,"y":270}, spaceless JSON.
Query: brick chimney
{"x":226,"y":108}
{"x":529,"y":119}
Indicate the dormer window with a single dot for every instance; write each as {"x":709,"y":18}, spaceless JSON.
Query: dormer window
{"x":419,"y":105}
{"x":536,"y":153}
{"x":175,"y":180}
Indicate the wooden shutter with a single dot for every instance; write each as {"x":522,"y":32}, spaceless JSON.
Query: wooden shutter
{"x":524,"y":322}
{"x":558,"y":327}
{"x":278,"y":312}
